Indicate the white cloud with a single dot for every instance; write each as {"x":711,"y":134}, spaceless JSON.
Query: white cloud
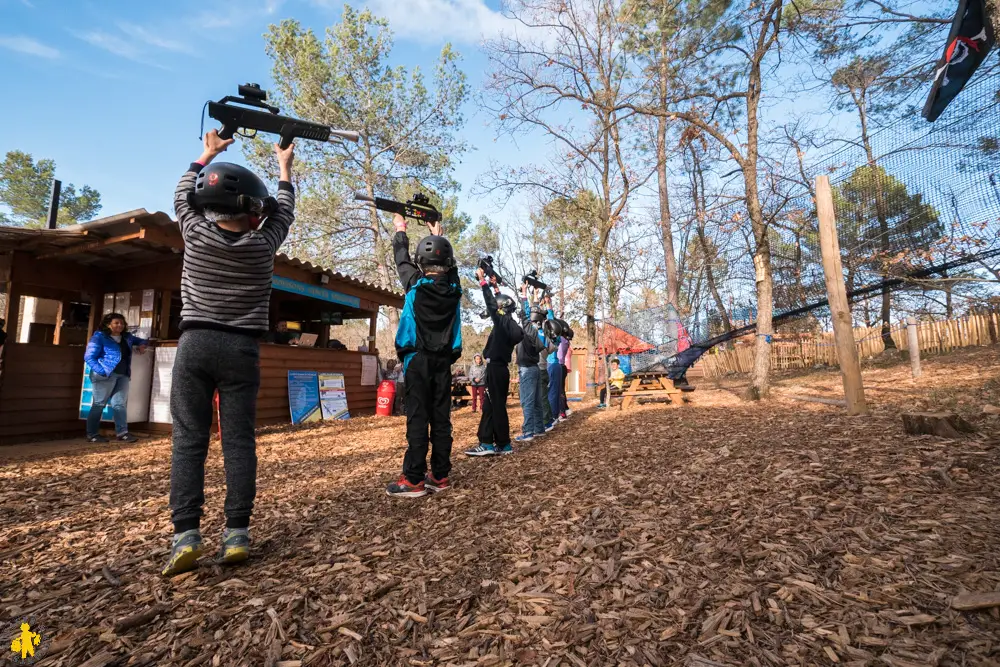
{"x":134,"y":42}
{"x":140,"y":34}
{"x":434,"y":21}
{"x":28,"y":46}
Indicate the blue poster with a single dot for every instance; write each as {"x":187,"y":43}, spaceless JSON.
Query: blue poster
{"x":303,"y":396}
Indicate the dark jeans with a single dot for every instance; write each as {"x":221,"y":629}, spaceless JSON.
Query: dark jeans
{"x":542,"y":397}
{"x":230,"y":363}
{"x":494,"y":426}
{"x":478,"y":396}
{"x":428,"y":403}
{"x":555,"y":388}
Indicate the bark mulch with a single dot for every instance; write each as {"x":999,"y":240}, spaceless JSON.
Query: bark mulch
{"x":716,"y":533}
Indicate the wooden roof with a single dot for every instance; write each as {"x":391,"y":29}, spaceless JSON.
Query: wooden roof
{"x":135,"y":238}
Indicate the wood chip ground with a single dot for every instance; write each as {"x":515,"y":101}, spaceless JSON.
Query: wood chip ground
{"x":717,"y":533}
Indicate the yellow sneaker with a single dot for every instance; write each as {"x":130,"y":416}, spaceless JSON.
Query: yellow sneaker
{"x":184,"y":554}
{"x":235,"y":545}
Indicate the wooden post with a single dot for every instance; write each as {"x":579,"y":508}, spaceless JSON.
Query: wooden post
{"x":163,"y":331}
{"x":840,"y":309}
{"x":61,"y":314}
{"x":372,"y":329}
{"x":913,"y":343}
{"x":96,"y":312}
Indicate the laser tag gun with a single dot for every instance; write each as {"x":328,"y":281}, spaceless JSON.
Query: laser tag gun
{"x":532,"y":279}
{"x":256,"y":114}
{"x":486,"y":264}
{"x":418,"y":208}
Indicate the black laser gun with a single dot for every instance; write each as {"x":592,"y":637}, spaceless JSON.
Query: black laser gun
{"x":418,"y":208}
{"x":532,"y":279}
{"x":486,"y":264}
{"x":250,"y":111}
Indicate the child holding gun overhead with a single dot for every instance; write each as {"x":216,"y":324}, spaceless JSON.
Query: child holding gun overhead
{"x":226,"y":291}
{"x":494,"y":427}
{"x":428,"y":341}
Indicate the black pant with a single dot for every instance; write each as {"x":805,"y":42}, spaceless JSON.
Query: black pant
{"x":494,"y":427}
{"x":230,"y":363}
{"x":428,"y":402}
{"x":562,"y":390}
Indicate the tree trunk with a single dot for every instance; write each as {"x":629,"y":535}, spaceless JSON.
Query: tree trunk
{"x":666,"y":226}
{"x":760,"y":377}
{"x":710,"y":279}
{"x":591,"y":302}
{"x":883,"y":218}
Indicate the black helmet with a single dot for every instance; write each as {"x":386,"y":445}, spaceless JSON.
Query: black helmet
{"x":567,"y":330}
{"x":230,"y":188}
{"x":435,"y":250}
{"x":551,"y":329}
{"x":537,"y":315}
{"x":505,"y":304}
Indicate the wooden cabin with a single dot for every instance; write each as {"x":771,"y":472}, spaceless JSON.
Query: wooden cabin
{"x":59,"y":283}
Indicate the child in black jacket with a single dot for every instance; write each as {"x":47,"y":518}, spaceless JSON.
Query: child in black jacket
{"x":428,"y":341}
{"x":494,"y":427}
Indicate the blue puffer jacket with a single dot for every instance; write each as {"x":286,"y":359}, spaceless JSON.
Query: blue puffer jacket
{"x":103,"y":353}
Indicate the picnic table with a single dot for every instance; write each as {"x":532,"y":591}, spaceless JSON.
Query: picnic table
{"x":652,"y":385}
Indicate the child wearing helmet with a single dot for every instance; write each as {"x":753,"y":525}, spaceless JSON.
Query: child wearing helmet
{"x":428,"y":341}
{"x":494,"y":426}
{"x":232,"y":230}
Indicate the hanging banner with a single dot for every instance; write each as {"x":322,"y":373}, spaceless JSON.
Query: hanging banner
{"x":333,"y":396}
{"x":969,"y":42}
{"x":303,"y":396}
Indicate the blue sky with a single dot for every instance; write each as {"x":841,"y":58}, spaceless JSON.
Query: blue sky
{"x":113,"y":91}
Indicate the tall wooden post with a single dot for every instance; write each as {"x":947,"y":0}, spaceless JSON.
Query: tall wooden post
{"x":913,"y":343}
{"x":840,"y":309}
{"x":372,"y":330}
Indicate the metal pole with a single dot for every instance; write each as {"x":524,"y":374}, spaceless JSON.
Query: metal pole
{"x":54,"y":203}
{"x":913,"y":343}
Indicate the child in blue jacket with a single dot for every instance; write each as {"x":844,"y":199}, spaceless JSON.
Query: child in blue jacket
{"x":428,"y":341}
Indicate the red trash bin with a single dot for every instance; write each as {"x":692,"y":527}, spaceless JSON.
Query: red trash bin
{"x":385,"y":397}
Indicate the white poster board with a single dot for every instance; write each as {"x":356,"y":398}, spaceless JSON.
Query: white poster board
{"x":369,"y":370}
{"x":109,"y":304}
{"x":333,"y":396}
{"x":159,"y":400}
{"x":122,"y":302}
{"x":148,"y":298}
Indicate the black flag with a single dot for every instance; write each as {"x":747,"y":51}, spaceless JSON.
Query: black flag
{"x":971,"y":38}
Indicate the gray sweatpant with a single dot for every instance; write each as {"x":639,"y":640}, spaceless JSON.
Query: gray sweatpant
{"x":207,"y":361}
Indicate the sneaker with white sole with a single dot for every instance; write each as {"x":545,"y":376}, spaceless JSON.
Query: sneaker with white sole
{"x":404,"y":488}
{"x":482,"y":449}
{"x":525,"y":437}
{"x":434,"y":485}
{"x":504,"y":450}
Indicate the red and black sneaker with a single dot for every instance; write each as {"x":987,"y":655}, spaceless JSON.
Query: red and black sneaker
{"x":402,"y":488}
{"x":436,"y":485}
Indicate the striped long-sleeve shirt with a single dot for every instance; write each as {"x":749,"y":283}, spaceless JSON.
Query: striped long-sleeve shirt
{"x":226,"y":279}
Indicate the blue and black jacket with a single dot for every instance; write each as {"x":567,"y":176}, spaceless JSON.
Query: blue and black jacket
{"x":105,"y":356}
{"x":432,"y":311}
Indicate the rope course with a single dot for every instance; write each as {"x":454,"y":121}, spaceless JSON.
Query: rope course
{"x":918,"y":211}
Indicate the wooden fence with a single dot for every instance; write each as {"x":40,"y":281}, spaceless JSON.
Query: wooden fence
{"x":799,"y":351}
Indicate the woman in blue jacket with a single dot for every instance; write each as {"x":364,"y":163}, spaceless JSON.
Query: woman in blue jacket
{"x":109,"y":356}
